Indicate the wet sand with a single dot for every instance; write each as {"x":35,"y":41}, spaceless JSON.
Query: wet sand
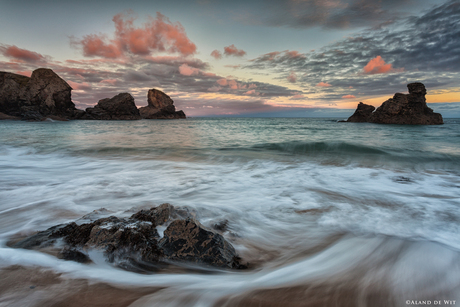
{"x":21,"y":286}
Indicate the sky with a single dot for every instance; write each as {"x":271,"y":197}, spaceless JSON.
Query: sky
{"x":287,"y":58}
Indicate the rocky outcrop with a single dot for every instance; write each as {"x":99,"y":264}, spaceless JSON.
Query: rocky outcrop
{"x":402,"y":109}
{"x":43,"y":94}
{"x":135,"y":243}
{"x":362,"y":113}
{"x":119,"y":107}
{"x":160,"y":106}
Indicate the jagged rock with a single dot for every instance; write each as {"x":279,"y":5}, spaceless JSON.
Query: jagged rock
{"x":134,"y":243}
{"x":362,"y":113}
{"x":160,"y":106}
{"x":403,"y":109}
{"x":120,"y":107}
{"x":43,"y":94}
{"x":5,"y":116}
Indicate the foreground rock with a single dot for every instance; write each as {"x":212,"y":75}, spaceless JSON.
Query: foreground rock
{"x":402,"y":109}
{"x":160,"y":106}
{"x":135,"y":244}
{"x":42,"y":95}
{"x":119,"y":107}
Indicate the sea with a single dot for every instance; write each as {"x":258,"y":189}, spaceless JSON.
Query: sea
{"x":325,"y":213}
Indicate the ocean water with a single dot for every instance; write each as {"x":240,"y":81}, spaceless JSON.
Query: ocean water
{"x":344,"y":214}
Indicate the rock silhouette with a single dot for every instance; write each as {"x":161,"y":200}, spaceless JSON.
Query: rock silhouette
{"x":119,"y":107}
{"x":402,"y":109}
{"x":42,"y":95}
{"x":160,"y":106}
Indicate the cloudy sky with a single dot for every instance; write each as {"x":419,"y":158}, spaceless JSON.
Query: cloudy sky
{"x":244,"y":58}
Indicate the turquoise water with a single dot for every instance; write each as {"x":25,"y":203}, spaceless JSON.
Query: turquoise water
{"x":308,"y":200}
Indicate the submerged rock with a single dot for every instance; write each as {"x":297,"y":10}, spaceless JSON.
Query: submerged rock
{"x":134,"y":243}
{"x":402,"y":109}
{"x":160,"y":106}
{"x":119,"y":107}
{"x":42,"y":95}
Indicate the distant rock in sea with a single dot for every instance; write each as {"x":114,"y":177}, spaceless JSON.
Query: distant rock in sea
{"x":402,"y":109}
{"x":135,"y":244}
{"x":42,"y":95}
{"x":119,"y":107}
{"x":160,"y":106}
{"x":46,"y":95}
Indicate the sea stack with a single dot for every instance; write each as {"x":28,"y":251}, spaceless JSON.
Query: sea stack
{"x":402,"y":109}
{"x":119,"y":107}
{"x":160,"y":106}
{"x":43,"y":95}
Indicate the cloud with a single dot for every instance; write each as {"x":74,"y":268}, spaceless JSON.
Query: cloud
{"x":348,"y":96}
{"x":222,"y":82}
{"x":216,"y":54}
{"x":79,"y":86}
{"x":186,"y":70}
{"x":378,"y":66}
{"x":155,"y":36}
{"x":14,"y":52}
{"x":233,"y":51}
{"x":323,"y":84}
{"x":427,"y":46}
{"x":292,"y":77}
{"x":330,"y":14}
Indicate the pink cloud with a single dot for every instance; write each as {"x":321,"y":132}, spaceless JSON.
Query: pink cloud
{"x":378,"y":66}
{"x":109,"y":81}
{"x":79,"y":86}
{"x":348,"y":96}
{"x":252,"y":85}
{"x":186,"y":70}
{"x":216,"y":54}
{"x":222,"y":82}
{"x":21,"y":54}
{"x":292,"y":77}
{"x":251,"y":93}
{"x":323,"y":84}
{"x":233,"y":84}
{"x":233,"y":66}
{"x":157,"y":35}
{"x":26,"y":73}
{"x":232,"y":50}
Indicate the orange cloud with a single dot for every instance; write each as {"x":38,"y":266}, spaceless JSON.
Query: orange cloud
{"x":216,"y":54}
{"x":232,"y":50}
{"x":292,"y":77}
{"x":348,"y":96}
{"x":222,"y":82}
{"x":378,"y":66}
{"x":157,"y":35}
{"x":323,"y":84}
{"x":21,"y":54}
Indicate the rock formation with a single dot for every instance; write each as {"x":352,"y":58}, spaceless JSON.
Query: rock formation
{"x":43,"y":94}
{"x":135,"y":244}
{"x":160,"y":106}
{"x":121,"y":106}
{"x":402,"y":109}
{"x":362,"y":113}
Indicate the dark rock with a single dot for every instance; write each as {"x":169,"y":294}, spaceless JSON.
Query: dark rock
{"x":402,"y":109}
{"x":119,"y":107}
{"x":41,"y":95}
{"x":160,"y":106}
{"x":134,"y":243}
{"x":362,"y":113}
{"x":187,"y":240}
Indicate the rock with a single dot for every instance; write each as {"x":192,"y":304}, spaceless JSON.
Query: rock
{"x":160,"y":106}
{"x":4,"y":116}
{"x":134,"y":243}
{"x":43,"y":94}
{"x":362,"y":113}
{"x":402,"y":109}
{"x":119,"y":107}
